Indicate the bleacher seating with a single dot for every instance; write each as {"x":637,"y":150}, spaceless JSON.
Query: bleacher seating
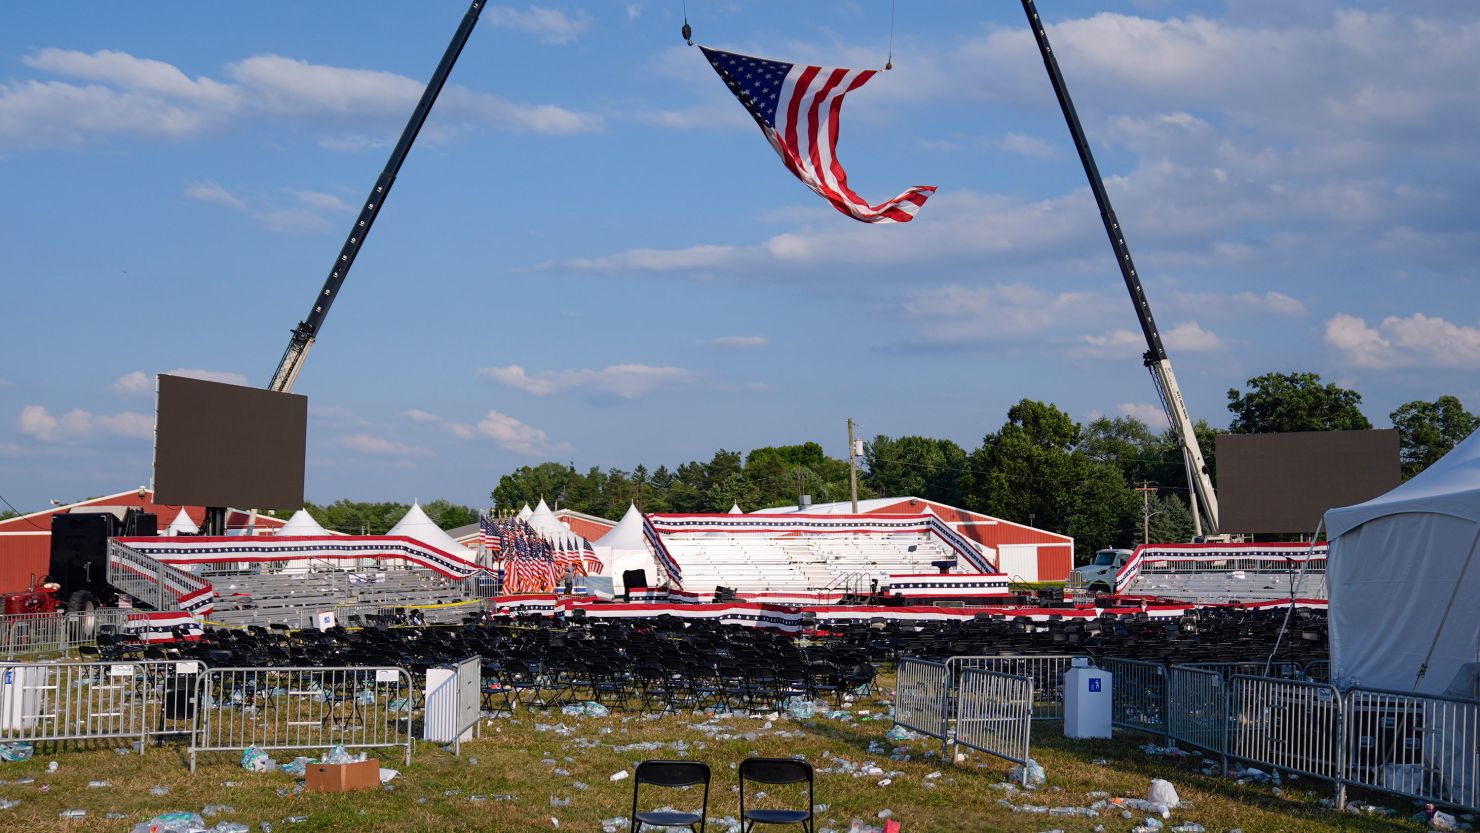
{"x":800,"y":563}
{"x":245,"y":598}
{"x":1221,"y":586}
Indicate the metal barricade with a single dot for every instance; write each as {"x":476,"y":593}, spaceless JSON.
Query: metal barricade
{"x":54,"y":634}
{"x":922,"y":695}
{"x":1420,"y":746}
{"x":302,"y":708}
{"x":97,"y":700}
{"x":1046,"y":672}
{"x":452,"y":702}
{"x":1277,"y":670}
{"x":1197,"y":708}
{"x":1138,"y":695}
{"x":994,"y":714}
{"x":1286,"y":725}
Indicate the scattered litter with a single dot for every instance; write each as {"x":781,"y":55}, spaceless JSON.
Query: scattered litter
{"x":388,"y":775}
{"x":52,"y":766}
{"x":1189,"y":827}
{"x":216,"y":810}
{"x":585,"y":709}
{"x":182,"y":822}
{"x":619,"y":776}
{"x":159,"y":789}
{"x":1034,"y":773}
{"x":1162,"y":792}
{"x":74,"y":814}
{"x":254,"y":759}
{"x":16,"y":751}
{"x":898,"y":733}
{"x":99,"y":785}
{"x":885,"y":813}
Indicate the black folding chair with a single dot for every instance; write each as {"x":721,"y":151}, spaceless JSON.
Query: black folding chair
{"x":670,"y":774}
{"x":775,"y":771}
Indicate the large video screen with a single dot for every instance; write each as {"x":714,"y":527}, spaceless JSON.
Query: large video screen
{"x":1284,"y":483}
{"x":227,"y":445}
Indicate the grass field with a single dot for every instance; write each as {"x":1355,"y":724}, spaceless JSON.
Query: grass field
{"x":516,"y":758}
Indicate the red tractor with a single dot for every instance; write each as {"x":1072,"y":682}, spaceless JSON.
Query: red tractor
{"x":39,"y":599}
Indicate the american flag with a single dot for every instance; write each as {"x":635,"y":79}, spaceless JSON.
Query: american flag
{"x":489,"y":536}
{"x":798,"y":108}
{"x":593,"y":564}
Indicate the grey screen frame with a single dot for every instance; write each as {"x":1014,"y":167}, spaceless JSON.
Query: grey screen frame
{"x":227,"y":445}
{"x":1283,"y":483}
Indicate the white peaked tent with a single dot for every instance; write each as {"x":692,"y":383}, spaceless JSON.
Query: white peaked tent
{"x":543,"y":521}
{"x":417,"y":525}
{"x":625,"y":547}
{"x":735,"y":510}
{"x":525,"y":512}
{"x":182,"y":525}
{"x":301,"y":523}
{"x":1404,"y":579}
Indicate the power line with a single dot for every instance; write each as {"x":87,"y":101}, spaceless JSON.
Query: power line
{"x":22,"y":515}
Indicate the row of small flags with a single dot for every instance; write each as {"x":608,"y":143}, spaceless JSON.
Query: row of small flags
{"x":532,"y":563}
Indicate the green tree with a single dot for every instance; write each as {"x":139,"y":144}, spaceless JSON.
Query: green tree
{"x":926,"y":467}
{"x":449,"y":515}
{"x":1278,"y":402}
{"x":528,"y":484}
{"x":6,"y":514}
{"x":1428,"y":430}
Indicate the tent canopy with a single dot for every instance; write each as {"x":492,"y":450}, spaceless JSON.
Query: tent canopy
{"x":418,"y":526}
{"x":627,"y":534}
{"x":182,"y":525}
{"x":1404,"y":581}
{"x":301,"y":523}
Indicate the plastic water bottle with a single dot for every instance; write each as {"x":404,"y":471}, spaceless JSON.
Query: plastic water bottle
{"x":74,"y":814}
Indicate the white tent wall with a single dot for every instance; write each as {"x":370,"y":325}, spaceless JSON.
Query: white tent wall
{"x":1391,"y":581}
{"x":1403,"y":576}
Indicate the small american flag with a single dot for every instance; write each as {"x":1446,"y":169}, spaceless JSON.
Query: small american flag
{"x":488,"y":534}
{"x":798,"y":108}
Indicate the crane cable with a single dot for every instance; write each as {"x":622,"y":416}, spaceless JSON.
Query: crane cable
{"x":889,"y":62}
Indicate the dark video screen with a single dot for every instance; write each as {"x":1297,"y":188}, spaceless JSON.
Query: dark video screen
{"x":227,"y":445}
{"x":1284,"y":483}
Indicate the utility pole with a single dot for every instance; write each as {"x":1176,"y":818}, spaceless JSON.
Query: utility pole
{"x":852,"y":466}
{"x":1145,"y":489}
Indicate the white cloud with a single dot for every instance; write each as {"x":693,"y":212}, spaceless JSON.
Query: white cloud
{"x":371,"y":444}
{"x":552,"y":25}
{"x":225,"y":377}
{"x":1270,"y":303}
{"x":1191,"y":338}
{"x":653,"y":260}
{"x":1002,"y":313}
{"x":115,"y":94}
{"x":321,"y":201}
{"x":1022,"y":143}
{"x":134,"y":383}
{"x":215,"y":193}
{"x":516,"y":436}
{"x":423,"y":417}
{"x":634,"y":10}
{"x":1417,"y":340}
{"x":1116,"y":344}
{"x":6,"y":383}
{"x":628,"y":381}
{"x":35,"y":421}
{"x":736,"y":342}
{"x":124,"y":70}
{"x":1149,"y":413}
{"x":332,"y":413}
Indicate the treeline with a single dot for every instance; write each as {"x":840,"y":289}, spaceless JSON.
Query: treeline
{"x":1040,"y":467}
{"x":372,"y":518}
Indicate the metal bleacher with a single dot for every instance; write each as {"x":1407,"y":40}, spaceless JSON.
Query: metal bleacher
{"x":1217,"y":586}
{"x":800,"y":564}
{"x":359,"y":596}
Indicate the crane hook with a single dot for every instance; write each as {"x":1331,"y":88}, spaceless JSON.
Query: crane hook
{"x":688,"y":33}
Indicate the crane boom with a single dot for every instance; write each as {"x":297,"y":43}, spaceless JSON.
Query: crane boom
{"x":1155,"y":357}
{"x":308,"y":329}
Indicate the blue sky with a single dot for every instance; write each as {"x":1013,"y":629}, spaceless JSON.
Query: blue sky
{"x":591,"y":254}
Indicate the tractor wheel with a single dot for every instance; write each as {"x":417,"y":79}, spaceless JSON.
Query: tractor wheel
{"x":1099,"y":588}
{"x":83,"y":602}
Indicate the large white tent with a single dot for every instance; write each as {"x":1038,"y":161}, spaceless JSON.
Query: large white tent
{"x":182,"y":525}
{"x":625,"y":548}
{"x":415,"y":524}
{"x":1404,"y":580}
{"x":301,"y":523}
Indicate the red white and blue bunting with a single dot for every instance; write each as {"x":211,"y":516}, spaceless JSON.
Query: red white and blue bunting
{"x":224,"y":550}
{"x":1210,"y":554}
{"x":660,"y":550}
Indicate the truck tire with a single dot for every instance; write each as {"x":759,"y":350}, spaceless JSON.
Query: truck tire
{"x":1099,"y":588}
{"x":83,"y":602}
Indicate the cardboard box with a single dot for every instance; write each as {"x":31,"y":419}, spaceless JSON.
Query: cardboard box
{"x":339,"y":778}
